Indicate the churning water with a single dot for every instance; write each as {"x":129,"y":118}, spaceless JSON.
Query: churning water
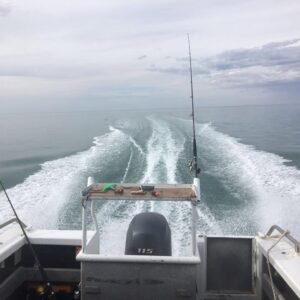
{"x":249,"y":158}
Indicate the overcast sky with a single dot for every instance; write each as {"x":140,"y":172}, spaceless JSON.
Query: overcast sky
{"x":58,"y":55}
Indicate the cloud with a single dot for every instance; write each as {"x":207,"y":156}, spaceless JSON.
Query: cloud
{"x":92,"y":46}
{"x":178,"y":70}
{"x":269,"y":65}
{"x":5,"y":8}
{"x":285,"y":53}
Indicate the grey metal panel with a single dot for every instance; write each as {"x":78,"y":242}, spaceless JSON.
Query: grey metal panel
{"x":229,"y":265}
{"x":8,"y":286}
{"x":129,"y":281}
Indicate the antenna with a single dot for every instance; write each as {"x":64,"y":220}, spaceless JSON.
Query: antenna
{"x":194,"y":162}
{"x":48,"y":291}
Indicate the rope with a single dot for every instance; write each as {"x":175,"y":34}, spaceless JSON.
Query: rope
{"x":269,"y":265}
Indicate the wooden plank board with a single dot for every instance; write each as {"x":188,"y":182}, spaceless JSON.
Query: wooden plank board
{"x":180,"y":192}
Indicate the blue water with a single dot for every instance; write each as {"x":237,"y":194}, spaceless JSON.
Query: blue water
{"x":249,"y":156}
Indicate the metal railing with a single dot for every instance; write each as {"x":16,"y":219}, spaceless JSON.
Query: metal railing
{"x":88,"y":201}
{"x":288,"y":236}
{"x":10,"y":221}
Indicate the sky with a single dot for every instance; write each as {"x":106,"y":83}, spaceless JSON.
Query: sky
{"x":72,"y":55}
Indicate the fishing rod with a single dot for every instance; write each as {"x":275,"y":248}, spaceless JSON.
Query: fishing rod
{"x":48,"y":291}
{"x":194,"y":162}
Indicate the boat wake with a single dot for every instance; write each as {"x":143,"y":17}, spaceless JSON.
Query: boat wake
{"x":236,"y":179}
{"x":259,"y":182}
{"x":44,"y":196}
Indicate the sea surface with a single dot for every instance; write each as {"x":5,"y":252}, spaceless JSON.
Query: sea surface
{"x":249,"y":157}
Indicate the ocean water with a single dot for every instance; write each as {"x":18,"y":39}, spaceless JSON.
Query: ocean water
{"x":249,"y":157}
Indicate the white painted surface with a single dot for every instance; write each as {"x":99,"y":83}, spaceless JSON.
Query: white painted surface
{"x":196,"y":188}
{"x":284,"y":259}
{"x":11,"y":239}
{"x":138,"y":258}
{"x":55,"y":237}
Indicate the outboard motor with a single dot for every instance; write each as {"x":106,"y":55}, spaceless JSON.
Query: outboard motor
{"x":148,"y":234}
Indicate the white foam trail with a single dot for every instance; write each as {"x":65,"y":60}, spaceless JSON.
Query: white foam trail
{"x":128,"y":166}
{"x":114,"y":221}
{"x":270,"y":188}
{"x":133,"y":141}
{"x":112,"y":128}
{"x":163,"y":151}
{"x":206,"y":221}
{"x":39,"y":199}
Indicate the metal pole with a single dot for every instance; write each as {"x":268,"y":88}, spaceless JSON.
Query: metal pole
{"x":194,"y":231}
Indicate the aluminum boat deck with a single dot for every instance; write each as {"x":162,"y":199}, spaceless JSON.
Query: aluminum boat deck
{"x":219,"y":267}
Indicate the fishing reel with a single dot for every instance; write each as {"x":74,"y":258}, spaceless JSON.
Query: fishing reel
{"x":58,"y":291}
{"x":192,"y":164}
